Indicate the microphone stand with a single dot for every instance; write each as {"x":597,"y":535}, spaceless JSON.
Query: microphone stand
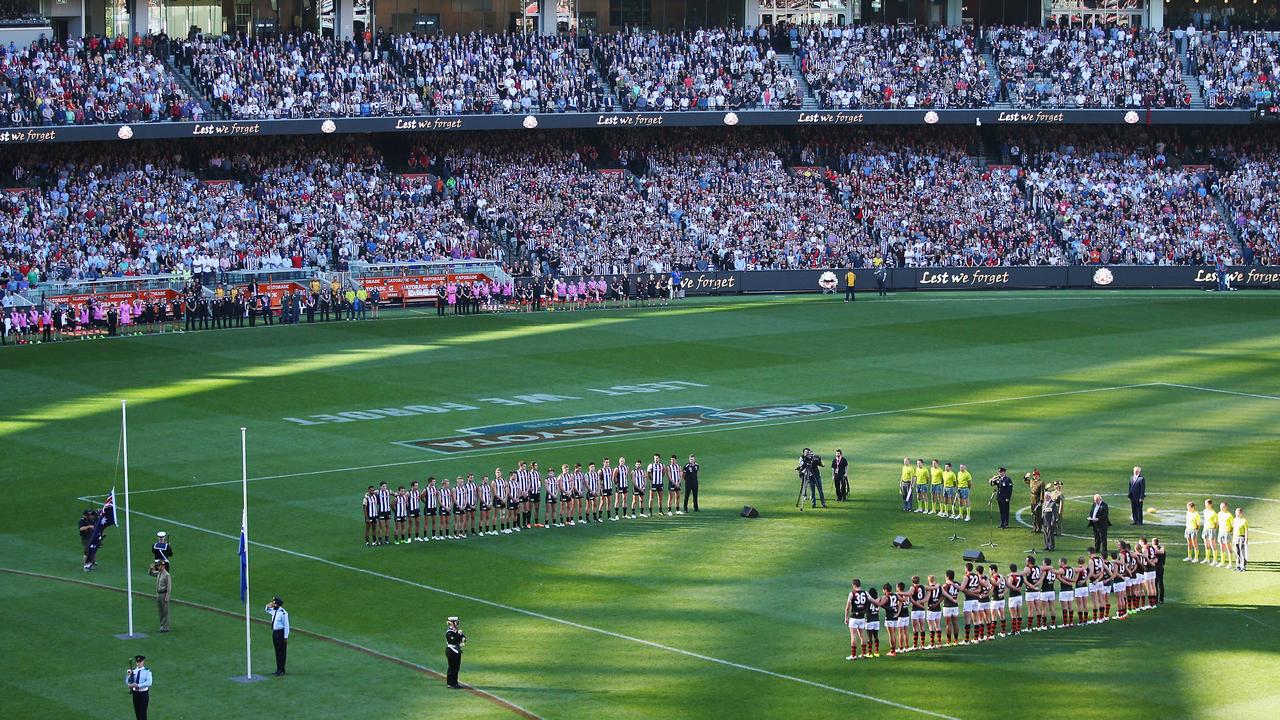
{"x":955,"y":520}
{"x":991,"y":530}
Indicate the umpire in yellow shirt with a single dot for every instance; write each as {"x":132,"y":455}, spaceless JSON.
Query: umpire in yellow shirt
{"x":850,"y":278}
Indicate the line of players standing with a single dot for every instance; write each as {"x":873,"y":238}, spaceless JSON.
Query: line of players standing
{"x":927,"y":616}
{"x":527,"y":498}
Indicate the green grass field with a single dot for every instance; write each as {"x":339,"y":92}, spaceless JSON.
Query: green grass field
{"x":702,"y":616}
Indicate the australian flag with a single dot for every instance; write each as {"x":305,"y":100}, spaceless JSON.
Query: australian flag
{"x":106,"y":519}
{"x":244,"y":564}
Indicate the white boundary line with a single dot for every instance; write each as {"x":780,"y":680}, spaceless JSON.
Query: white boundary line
{"x":485,"y":452}
{"x":551,"y":618}
{"x":1224,"y":392}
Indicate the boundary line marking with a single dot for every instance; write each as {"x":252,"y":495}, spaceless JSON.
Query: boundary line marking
{"x":486,"y":452}
{"x":552,"y":618}
{"x":1224,"y":392}
{"x":483,"y":694}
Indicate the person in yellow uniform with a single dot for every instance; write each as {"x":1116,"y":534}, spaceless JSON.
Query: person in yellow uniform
{"x":935,"y":488}
{"x":1209,"y":532}
{"x":904,"y":486}
{"x":1240,"y":539}
{"x":922,"y":486}
{"x":949,"y":492}
{"x":964,"y":481}
{"x":1225,"y":558}
{"x":849,"y":279}
{"x":1193,"y":529}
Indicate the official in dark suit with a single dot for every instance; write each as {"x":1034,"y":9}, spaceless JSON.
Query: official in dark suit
{"x":454,"y":640}
{"x":840,"y":475}
{"x":1099,"y":520}
{"x":1137,"y":493}
{"x":1004,"y":495}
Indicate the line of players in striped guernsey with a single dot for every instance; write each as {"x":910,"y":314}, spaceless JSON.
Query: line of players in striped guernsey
{"x":928,"y":616}
{"x":525,"y":498}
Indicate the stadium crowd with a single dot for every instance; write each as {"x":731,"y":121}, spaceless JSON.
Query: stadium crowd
{"x":301,"y":76}
{"x":101,"y":80}
{"x":1090,"y":67}
{"x":879,"y":66}
{"x":712,"y":69}
{"x":91,"y":80}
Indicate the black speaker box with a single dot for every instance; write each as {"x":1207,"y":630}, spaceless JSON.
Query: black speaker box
{"x":901,"y":542}
{"x":974,"y":556}
{"x":750,"y":512}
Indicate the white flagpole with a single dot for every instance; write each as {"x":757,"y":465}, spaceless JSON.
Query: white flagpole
{"x":128,"y":554}
{"x":244,"y":527}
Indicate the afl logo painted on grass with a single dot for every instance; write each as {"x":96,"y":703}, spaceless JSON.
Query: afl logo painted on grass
{"x":618,"y":424}
{"x":1103,"y":276}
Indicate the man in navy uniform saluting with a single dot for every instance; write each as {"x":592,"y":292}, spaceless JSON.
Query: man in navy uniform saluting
{"x":279,"y":631}
{"x":454,"y":640}
{"x":138,"y":680}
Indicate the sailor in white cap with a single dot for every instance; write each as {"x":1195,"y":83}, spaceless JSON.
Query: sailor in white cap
{"x":162,"y":550}
{"x":454,"y":641}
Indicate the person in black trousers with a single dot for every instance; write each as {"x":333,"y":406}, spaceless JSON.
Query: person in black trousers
{"x":882,"y":277}
{"x":440,"y":301}
{"x":1137,"y":493}
{"x":138,"y":680}
{"x":454,"y":641}
{"x":1004,"y":494}
{"x":279,"y":632}
{"x":691,"y":483}
{"x":840,"y":475}
{"x":1099,"y":520}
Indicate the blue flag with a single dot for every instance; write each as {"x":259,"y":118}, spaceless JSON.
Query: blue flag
{"x":244,"y":567}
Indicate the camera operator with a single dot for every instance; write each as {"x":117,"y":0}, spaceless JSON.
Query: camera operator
{"x":811,"y":476}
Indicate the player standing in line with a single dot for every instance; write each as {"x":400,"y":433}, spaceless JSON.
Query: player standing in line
{"x":1014,"y":581}
{"x":535,"y":496}
{"x":1225,"y":558}
{"x":1115,"y":572}
{"x":594,"y":497}
{"x":656,"y":470}
{"x":964,"y":481}
{"x":473,"y":498}
{"x":1193,"y":530}
{"x":608,"y":485}
{"x":431,"y":505}
{"x":933,"y":611}
{"x":890,"y":601}
{"x":486,"y":506}
{"x":922,"y":486}
{"x":520,"y":478}
{"x":1047,"y":594}
{"x":384,"y":514}
{"x":1152,"y":552}
{"x":499,"y":502}
{"x":401,"y":502}
{"x":446,"y":510}
{"x":639,"y":485}
{"x":551,"y":483}
{"x":1240,"y":540}
{"x":873,"y":622}
{"x":1097,"y":584}
{"x":1210,"y":533}
{"x":620,"y":502}
{"x":674,"y":474}
{"x":969,"y":586}
{"x":904,"y":485}
{"x":1034,"y":579}
{"x":579,"y":483}
{"x":855,"y":618}
{"x":915,"y":596}
{"x":951,"y":608}
{"x":949,"y":507}
{"x":996,"y":608}
{"x":984,"y":604}
{"x":567,"y":500}
{"x":370,"y":506}
{"x":459,"y":505}
{"x":935,"y":488}
{"x":1081,"y":601}
{"x":415,"y":512}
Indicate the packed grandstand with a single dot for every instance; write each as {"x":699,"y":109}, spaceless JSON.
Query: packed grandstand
{"x":156,"y":78}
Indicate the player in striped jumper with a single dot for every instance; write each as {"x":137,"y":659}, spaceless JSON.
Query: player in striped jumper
{"x":607,"y":475}
{"x":384,"y":514}
{"x":415,"y":512}
{"x":594,"y":497}
{"x":674,"y":475}
{"x":535,"y":496}
{"x":446,"y":510}
{"x":551,"y":482}
{"x":639,"y":486}
{"x":620,"y":488}
{"x":656,"y":471}
{"x":431,"y":508}
{"x":401,"y":501}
